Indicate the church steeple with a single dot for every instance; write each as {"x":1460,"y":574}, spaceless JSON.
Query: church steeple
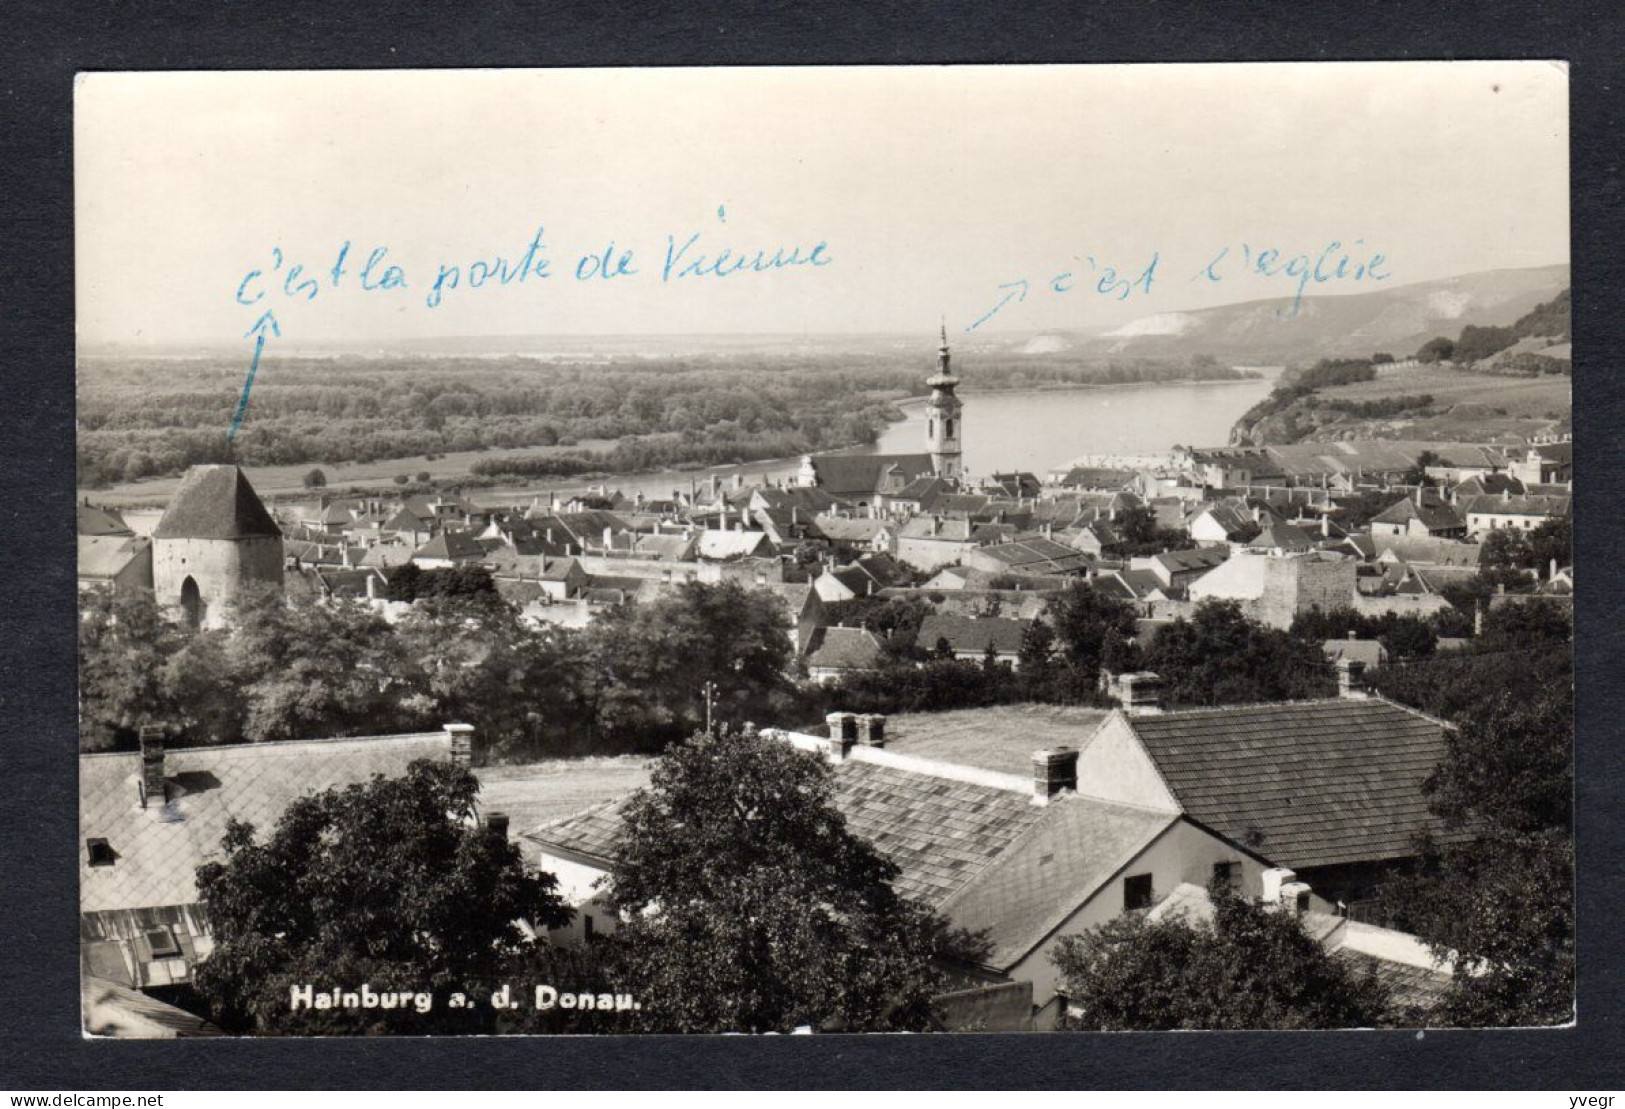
{"x":942,"y":413}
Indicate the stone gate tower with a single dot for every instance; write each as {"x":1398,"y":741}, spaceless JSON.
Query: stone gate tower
{"x":214,"y":538}
{"x":942,"y":414}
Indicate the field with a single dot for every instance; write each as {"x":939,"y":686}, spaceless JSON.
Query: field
{"x":1002,"y":738}
{"x":1519,"y":396}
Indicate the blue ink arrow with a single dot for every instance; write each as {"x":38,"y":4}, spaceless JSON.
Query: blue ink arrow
{"x":1018,"y":292}
{"x":265,"y":323}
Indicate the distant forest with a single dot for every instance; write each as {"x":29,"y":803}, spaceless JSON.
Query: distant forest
{"x":154,"y":417}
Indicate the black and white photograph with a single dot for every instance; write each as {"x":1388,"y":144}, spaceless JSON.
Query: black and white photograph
{"x":931,"y":549}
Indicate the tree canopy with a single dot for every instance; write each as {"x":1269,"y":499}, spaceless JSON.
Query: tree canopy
{"x":1219,"y":657}
{"x":392,"y":883}
{"x":1250,"y":967}
{"x":751,"y":907}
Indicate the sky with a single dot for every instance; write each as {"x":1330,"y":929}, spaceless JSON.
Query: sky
{"x":935,"y":192}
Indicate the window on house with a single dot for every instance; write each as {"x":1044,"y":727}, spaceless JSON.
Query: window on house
{"x":101,"y":852}
{"x":162,"y":942}
{"x":947,"y":429}
{"x":1136,"y":892}
{"x":1227,"y":875}
{"x":587,"y":928}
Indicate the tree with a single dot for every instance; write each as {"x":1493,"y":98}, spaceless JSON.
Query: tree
{"x":751,"y":907}
{"x":522,"y":688}
{"x":1436,"y":350}
{"x":1505,"y":547}
{"x":1037,"y":658}
{"x":1497,"y":895}
{"x":317,"y":670}
{"x":651,"y":659}
{"x":1084,"y":621}
{"x":125,"y":645}
{"x":1552,"y":542}
{"x":392,"y":884}
{"x":315,"y":479}
{"x":1382,"y":358}
{"x":1220,"y":657}
{"x":1250,"y":967}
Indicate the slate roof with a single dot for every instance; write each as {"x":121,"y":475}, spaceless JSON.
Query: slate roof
{"x":159,"y":848}
{"x":844,"y":649}
{"x":965,"y":633}
{"x":1305,"y":783}
{"x":215,"y":502}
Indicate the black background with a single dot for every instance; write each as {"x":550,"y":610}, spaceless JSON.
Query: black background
{"x":44,"y":44}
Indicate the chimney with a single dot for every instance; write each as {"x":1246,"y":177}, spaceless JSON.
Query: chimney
{"x":462,"y":744}
{"x":497,"y":822}
{"x":152,"y":765}
{"x":1353,"y":635}
{"x":1551,"y":570}
{"x":372,"y":587}
{"x":1055,"y":771}
{"x":1350,"y":678}
{"x":1140,"y":693}
{"x":872,"y":729}
{"x":843,"y":733}
{"x":1418,"y":494}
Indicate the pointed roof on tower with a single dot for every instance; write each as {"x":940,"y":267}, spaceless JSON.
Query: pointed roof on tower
{"x":944,"y":376}
{"x":215,"y":502}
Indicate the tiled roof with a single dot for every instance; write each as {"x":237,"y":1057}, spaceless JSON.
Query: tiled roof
{"x":1433,"y":514}
{"x":114,"y":1010}
{"x":1037,"y":555}
{"x":1077,"y":846}
{"x":451,"y":546}
{"x":1202,"y":558}
{"x":158,"y":849}
{"x":106,"y":556}
{"x":1086,"y":477}
{"x":965,"y":633}
{"x":844,"y":649}
{"x":1427,"y":550}
{"x":1307,"y":783}
{"x":92,"y":520}
{"x":860,"y":474}
{"x":730,"y":544}
{"x":1526,"y":505}
{"x":1368,"y":652}
{"x":939,"y":831}
{"x":215,"y":502}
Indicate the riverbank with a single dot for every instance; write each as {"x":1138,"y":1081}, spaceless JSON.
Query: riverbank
{"x":1033,"y":428}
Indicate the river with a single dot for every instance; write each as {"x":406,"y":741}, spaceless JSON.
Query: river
{"x":1036,"y":430}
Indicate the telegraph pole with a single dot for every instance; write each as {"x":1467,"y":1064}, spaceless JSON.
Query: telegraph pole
{"x":709,"y":691}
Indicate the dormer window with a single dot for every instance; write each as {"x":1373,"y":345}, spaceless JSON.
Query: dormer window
{"x":100,"y":852}
{"x":163,"y":944}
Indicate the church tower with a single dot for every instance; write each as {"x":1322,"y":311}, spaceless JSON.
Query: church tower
{"x":214,"y":538}
{"x":942,"y":415}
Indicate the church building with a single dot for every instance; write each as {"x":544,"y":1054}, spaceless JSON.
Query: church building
{"x":214,"y":538}
{"x":864,"y":480}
